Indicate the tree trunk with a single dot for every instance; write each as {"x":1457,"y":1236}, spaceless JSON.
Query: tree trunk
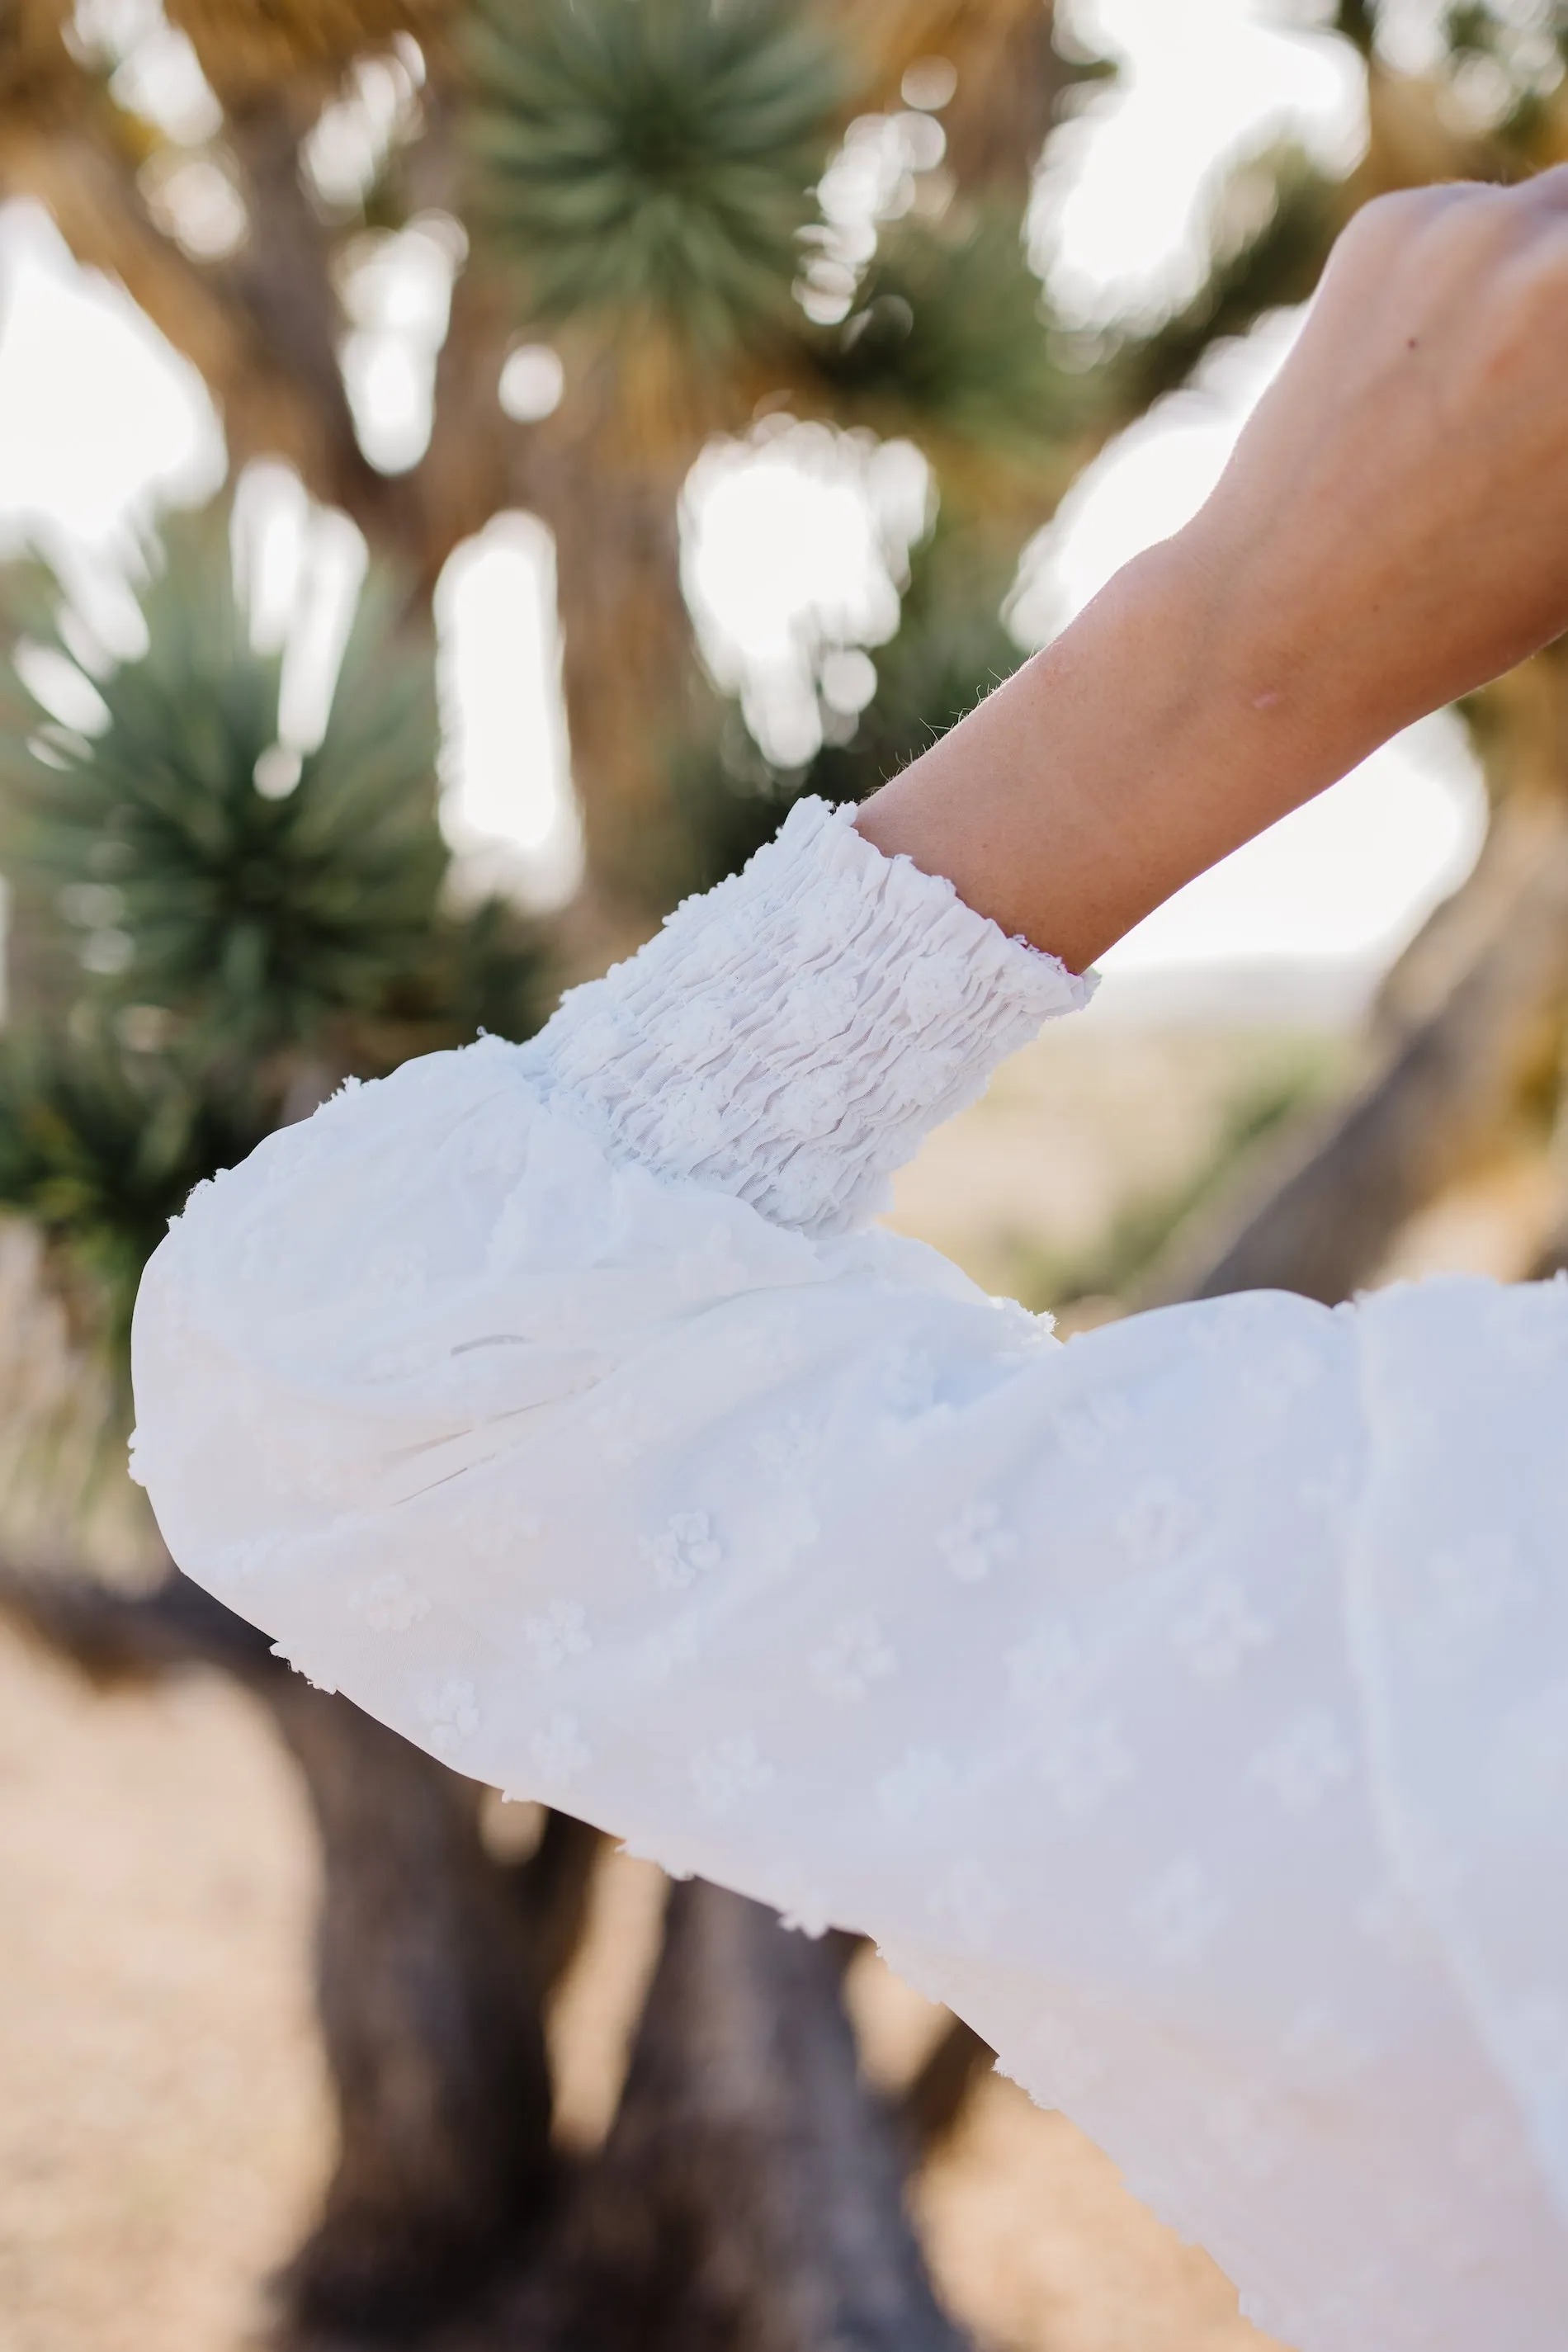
{"x":936,"y":2098}
{"x":749,"y":2198}
{"x":1467,"y":1045}
{"x":428,"y":1990}
{"x":1552,"y":1258}
{"x":1010,"y":77}
{"x":1010,"y":83}
{"x":281,"y":278}
{"x":627,"y":659}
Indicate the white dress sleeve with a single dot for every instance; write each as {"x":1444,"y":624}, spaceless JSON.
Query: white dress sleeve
{"x":1186,"y":1705}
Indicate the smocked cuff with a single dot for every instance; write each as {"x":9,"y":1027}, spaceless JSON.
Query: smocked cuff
{"x":790,"y":1036}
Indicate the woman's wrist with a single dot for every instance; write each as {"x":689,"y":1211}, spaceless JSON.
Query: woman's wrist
{"x":1162,"y":729}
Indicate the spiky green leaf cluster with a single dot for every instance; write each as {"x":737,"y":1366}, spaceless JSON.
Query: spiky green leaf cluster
{"x":101,"y":1148}
{"x":255,"y":915}
{"x":948,"y":341}
{"x":193,"y":957}
{"x":650,"y":160}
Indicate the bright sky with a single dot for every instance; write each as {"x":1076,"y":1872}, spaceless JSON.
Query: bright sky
{"x":1200,"y":80}
{"x":98,"y":420}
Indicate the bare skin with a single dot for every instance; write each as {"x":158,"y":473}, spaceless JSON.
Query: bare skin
{"x":1391,"y":531}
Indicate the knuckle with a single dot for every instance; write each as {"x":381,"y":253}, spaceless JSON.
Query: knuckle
{"x":1466,"y":234}
{"x":1532,"y":291}
{"x":1364,"y":249}
{"x":1383,"y":217}
{"x":1416,"y":209}
{"x":1387,"y":226}
{"x":1467,"y":216}
{"x":1544,"y":192}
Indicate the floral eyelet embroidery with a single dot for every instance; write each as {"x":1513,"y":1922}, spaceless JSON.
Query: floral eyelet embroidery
{"x":685,"y":1548}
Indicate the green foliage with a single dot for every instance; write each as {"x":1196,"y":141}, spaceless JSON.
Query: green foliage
{"x":1509,"y":61}
{"x":100,"y":1147}
{"x":195,"y":958}
{"x":485,"y":970}
{"x":255,"y":917}
{"x":948,"y":339}
{"x":651,"y":163}
{"x":951,"y":649}
{"x":1355,"y":20}
{"x":1288,"y":214}
{"x":1522,"y":41}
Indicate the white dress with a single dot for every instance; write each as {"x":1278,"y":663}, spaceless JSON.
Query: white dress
{"x":1187,"y":1706}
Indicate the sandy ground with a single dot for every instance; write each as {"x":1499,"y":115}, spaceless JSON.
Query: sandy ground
{"x":163,"y":2129}
{"x":163,"y":2122}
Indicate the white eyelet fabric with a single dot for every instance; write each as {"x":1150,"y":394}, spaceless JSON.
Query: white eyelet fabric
{"x":1187,"y":1706}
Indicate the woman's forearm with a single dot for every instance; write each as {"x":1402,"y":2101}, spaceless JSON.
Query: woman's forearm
{"x":1391,"y":531}
{"x":1151,"y":738}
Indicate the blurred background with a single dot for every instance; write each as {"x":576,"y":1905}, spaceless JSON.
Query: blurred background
{"x":464,"y":466}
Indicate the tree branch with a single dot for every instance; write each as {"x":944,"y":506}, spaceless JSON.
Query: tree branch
{"x":1442,"y":1087}
{"x":115,"y":1638}
{"x":551,"y":1891}
{"x":936,"y":2098}
{"x":430,"y":1990}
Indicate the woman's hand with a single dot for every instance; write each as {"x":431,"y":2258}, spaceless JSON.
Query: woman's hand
{"x":1391,"y":530}
{"x":1399,"y":499}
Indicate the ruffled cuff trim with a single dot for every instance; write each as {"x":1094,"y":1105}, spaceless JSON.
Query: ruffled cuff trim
{"x":790,"y":1036}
